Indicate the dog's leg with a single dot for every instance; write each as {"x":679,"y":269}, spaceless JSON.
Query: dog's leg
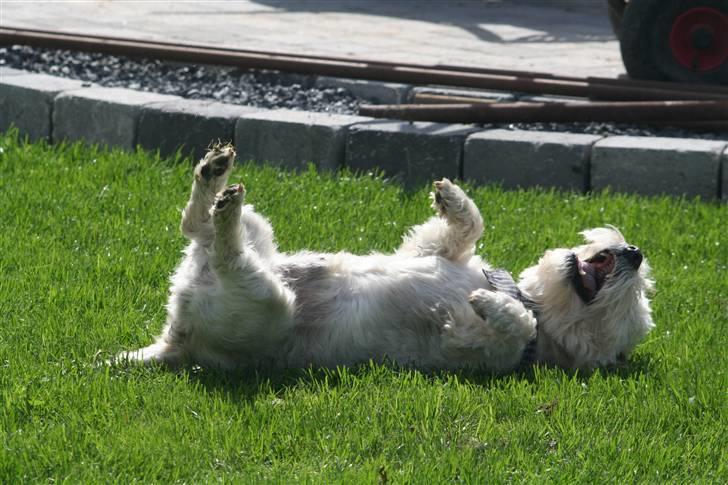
{"x":159,"y":352}
{"x":211,"y":175}
{"x":493,"y":332}
{"x":504,"y":313}
{"x":453,"y":233}
{"x":239,"y":266}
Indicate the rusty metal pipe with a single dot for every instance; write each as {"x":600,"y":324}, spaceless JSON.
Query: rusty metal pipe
{"x":619,"y":112}
{"x":341,"y":68}
{"x":661,"y":85}
{"x":427,"y":98}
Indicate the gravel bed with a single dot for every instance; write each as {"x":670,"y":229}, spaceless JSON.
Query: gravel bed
{"x":265,"y":89}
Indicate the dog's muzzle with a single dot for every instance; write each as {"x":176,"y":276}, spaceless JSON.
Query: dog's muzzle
{"x":632,"y":255}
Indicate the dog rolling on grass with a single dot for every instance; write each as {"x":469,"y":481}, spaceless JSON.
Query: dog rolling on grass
{"x":237,"y":302}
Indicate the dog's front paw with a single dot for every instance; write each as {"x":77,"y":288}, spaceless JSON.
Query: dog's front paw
{"x":447,"y":198}
{"x":229,"y":198}
{"x":214,"y":169}
{"x":500,"y":310}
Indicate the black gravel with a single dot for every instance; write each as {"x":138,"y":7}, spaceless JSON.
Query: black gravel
{"x":266,"y":89}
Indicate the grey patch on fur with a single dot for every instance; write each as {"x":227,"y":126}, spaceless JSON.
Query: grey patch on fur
{"x":205,"y":276}
{"x":309,"y":282}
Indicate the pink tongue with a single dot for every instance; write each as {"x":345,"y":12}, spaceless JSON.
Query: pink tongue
{"x":587,"y":276}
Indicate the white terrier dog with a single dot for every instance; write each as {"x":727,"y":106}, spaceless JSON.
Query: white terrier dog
{"x":236,"y":302}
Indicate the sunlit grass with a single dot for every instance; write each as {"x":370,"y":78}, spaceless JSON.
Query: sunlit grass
{"x":89,"y":238}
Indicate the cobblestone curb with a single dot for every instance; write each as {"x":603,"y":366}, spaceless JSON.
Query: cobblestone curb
{"x":292,"y":139}
{"x":27,"y":101}
{"x":42,"y":106}
{"x":187,"y":125}
{"x":516,"y":159}
{"x":413,"y":153}
{"x":107,"y":116}
{"x":658,"y":166}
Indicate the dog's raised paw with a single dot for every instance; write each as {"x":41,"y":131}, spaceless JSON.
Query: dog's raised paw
{"x":216,"y":165}
{"x":446,"y":197}
{"x":231,"y":196}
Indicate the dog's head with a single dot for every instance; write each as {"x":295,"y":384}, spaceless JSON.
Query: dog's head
{"x":591,"y":300}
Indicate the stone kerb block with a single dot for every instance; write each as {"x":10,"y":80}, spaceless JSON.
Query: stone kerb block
{"x":188,"y":125}
{"x":107,"y":116}
{"x":26,"y":101}
{"x":529,"y":158}
{"x":292,"y":139}
{"x":9,"y":71}
{"x":653,"y":166}
{"x":371,"y":91}
{"x":415,"y":153}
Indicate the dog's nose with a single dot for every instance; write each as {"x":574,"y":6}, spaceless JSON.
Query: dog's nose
{"x":633,"y":255}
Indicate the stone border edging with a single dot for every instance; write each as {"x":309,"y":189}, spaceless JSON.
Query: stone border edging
{"x":54,"y":108}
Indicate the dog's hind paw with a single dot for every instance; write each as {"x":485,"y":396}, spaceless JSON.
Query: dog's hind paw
{"x":230,"y":197}
{"x":453,"y":204}
{"x":444,"y":195}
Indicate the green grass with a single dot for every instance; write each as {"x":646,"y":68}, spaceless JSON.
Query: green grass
{"x":89,"y":238}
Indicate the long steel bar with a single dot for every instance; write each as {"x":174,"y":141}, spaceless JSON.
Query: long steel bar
{"x":438,"y":99}
{"x":626,"y":112}
{"x":344,"y":68}
{"x":662,"y":85}
{"x":427,"y":98}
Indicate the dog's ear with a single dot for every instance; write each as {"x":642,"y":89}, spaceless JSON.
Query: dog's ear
{"x":608,"y":236}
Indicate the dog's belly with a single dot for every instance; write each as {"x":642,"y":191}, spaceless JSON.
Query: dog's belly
{"x":352,"y":308}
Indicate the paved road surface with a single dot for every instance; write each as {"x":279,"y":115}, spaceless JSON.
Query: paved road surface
{"x":570,"y":37}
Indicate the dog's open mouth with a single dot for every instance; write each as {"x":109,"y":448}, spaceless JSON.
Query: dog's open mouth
{"x":588,"y":276}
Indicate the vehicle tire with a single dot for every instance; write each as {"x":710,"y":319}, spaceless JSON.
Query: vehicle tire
{"x":679,"y":40}
{"x":615,"y":10}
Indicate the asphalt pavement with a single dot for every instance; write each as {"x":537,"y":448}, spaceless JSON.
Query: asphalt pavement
{"x":568,"y":37}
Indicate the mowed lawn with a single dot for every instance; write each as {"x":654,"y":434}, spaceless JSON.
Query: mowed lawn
{"x":89,"y":238}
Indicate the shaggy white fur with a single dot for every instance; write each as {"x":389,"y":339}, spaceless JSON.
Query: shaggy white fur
{"x":236,"y":302}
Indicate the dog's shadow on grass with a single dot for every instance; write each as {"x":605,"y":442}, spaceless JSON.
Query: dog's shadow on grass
{"x":248,"y":386}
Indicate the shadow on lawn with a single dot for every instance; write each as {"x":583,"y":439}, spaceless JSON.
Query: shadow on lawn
{"x":245,"y":386}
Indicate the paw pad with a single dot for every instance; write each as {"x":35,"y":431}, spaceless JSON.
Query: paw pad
{"x":217,"y":163}
{"x":233,"y":192}
{"x":442,"y":194}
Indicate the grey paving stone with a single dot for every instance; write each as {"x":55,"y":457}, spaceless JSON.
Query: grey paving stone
{"x":654,"y":166}
{"x":414,"y":153}
{"x":108,"y":116}
{"x":9,"y":71}
{"x":26,"y":101}
{"x":529,"y":158}
{"x":372,"y":91}
{"x":469,"y":93}
{"x":187,"y":125}
{"x":293,"y":139}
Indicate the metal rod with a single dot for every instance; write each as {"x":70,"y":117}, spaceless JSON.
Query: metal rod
{"x":344,"y":68}
{"x":625,"y":112}
{"x":662,"y":85}
{"x":427,"y":98}
{"x":693,"y":87}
